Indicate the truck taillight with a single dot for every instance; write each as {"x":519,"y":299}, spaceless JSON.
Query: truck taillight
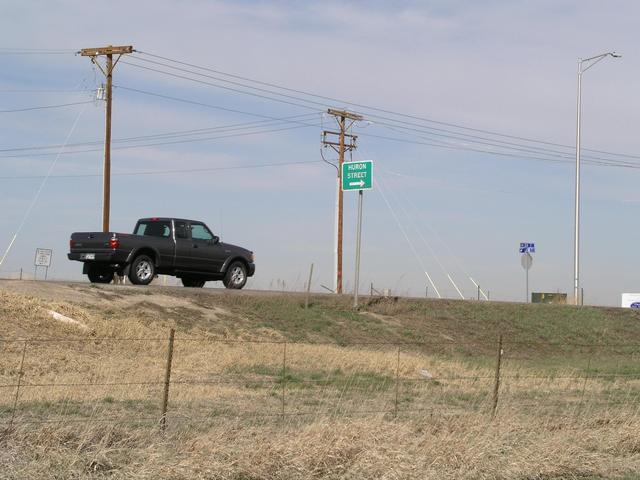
{"x":114,"y":243}
{"x":72,"y":243}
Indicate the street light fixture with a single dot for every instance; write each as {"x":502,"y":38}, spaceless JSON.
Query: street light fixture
{"x":583,"y":66}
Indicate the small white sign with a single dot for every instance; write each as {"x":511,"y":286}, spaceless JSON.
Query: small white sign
{"x":43,"y":257}
{"x":630,"y":300}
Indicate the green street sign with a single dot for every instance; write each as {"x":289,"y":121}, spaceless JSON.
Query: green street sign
{"x":357,"y":175}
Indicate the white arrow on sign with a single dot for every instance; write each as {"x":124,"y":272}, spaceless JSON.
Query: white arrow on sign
{"x":357,"y":184}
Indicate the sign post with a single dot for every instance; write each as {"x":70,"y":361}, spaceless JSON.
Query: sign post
{"x":357,"y":176}
{"x":526,"y":249}
{"x":43,"y":259}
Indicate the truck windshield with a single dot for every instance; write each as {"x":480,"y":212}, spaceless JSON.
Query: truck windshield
{"x":154,"y":228}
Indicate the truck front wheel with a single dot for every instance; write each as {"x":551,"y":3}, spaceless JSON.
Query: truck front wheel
{"x":236,"y":276}
{"x":99,"y":275}
{"x":142,"y":270}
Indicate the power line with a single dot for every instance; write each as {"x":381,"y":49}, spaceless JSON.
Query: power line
{"x":503,"y":154}
{"x":522,"y":148}
{"x":231,"y":82}
{"x":35,"y":51}
{"x":172,"y":134}
{"x":369,"y":107}
{"x":479,"y":140}
{"x":219,"y":86}
{"x":530,"y":149}
{"x":166,"y":143}
{"x":193,"y":102}
{"x":43,"y":107}
{"x":525,"y":148}
{"x":44,"y":91}
{"x":166,"y":172}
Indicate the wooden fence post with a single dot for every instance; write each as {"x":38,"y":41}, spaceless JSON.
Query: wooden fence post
{"x":167,"y":381}
{"x":306,"y":300}
{"x":496,"y":385}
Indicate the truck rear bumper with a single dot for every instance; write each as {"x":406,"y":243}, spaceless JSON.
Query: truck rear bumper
{"x":98,"y":257}
{"x":112,"y":259}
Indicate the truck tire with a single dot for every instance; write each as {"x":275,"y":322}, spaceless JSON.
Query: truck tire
{"x":142,"y":270}
{"x":236,"y":276}
{"x":99,"y":275}
{"x":192,"y":282}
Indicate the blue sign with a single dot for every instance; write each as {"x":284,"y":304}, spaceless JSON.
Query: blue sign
{"x":527,"y":247}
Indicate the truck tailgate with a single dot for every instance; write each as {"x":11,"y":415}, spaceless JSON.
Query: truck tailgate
{"x":90,"y":241}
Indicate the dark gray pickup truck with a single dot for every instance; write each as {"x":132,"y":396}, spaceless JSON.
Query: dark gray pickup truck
{"x":169,"y":246}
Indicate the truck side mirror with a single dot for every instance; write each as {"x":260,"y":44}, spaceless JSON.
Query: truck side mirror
{"x":216,"y":239}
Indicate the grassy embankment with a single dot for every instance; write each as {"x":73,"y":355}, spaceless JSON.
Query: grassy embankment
{"x":357,"y":400}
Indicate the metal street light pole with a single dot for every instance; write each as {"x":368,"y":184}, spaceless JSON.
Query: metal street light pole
{"x":589,"y":62}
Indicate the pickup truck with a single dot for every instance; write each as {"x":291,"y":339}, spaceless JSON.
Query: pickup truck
{"x":169,"y":246}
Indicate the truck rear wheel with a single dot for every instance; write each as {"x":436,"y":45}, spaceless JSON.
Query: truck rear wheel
{"x":142,"y":270}
{"x":236,"y":276}
{"x":99,"y":275}
{"x":192,"y":282}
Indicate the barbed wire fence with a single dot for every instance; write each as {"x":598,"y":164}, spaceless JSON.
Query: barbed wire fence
{"x":177,"y":379}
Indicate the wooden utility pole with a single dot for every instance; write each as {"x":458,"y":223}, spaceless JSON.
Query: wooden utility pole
{"x":108,"y":52}
{"x":341,"y":146}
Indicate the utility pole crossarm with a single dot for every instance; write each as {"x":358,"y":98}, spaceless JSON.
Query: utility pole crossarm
{"x":345,"y":114}
{"x":110,"y":50}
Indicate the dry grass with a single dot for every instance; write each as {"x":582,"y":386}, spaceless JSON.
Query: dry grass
{"x":461,"y":447}
{"x":89,"y":407}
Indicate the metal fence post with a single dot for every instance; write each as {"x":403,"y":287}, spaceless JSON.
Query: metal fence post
{"x":496,"y":385}
{"x":20,"y":374}
{"x":586,"y":378}
{"x":395,"y":412}
{"x":167,"y":381}
{"x":284,"y":376}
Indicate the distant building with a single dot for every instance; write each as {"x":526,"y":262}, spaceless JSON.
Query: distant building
{"x":541,"y":297}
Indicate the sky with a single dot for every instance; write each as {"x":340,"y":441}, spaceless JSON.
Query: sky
{"x":469,"y":117}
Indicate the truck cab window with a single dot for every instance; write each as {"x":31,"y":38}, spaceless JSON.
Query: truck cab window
{"x":200,"y":232}
{"x":181,"y":230}
{"x":153,"y":229}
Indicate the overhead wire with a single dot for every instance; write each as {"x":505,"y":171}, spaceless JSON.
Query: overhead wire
{"x":172,"y":134}
{"x":167,"y":172}
{"x":43,"y":91}
{"x":202,"y":104}
{"x":217,"y":86}
{"x":406,"y":237}
{"x":443,"y":132}
{"x":23,"y":51}
{"x":502,"y":154}
{"x":377,"y":109}
{"x":437,"y":132}
{"x":40,"y":188}
{"x":44,"y":107}
{"x":424,"y":240}
{"x":232,"y":82}
{"x":174,"y":142}
{"x":421,"y":236}
{"x":505,"y":145}
{"x":251,"y":93}
{"x":438,"y":237}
